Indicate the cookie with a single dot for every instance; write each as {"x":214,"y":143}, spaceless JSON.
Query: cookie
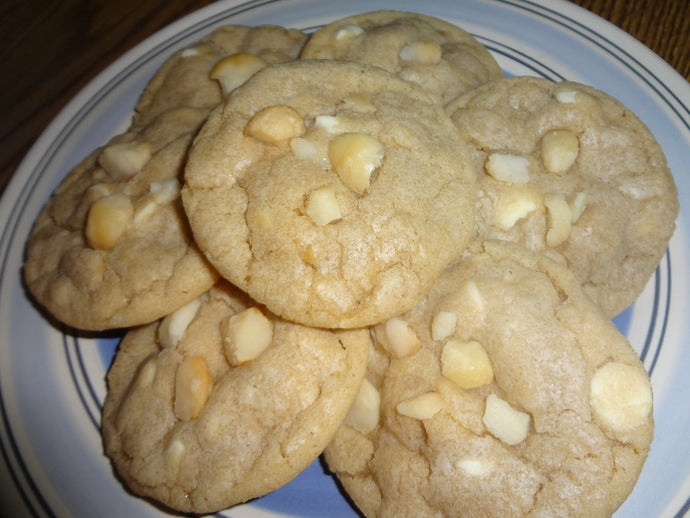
{"x":334,"y":193}
{"x":567,"y":170}
{"x":203,"y":73}
{"x":436,"y":54}
{"x":506,"y":392}
{"x":112,"y":247}
{"x":221,"y":402}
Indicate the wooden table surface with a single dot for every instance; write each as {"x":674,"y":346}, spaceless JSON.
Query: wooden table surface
{"x":50,"y":49}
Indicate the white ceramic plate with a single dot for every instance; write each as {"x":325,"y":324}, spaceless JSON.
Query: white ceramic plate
{"x":52,"y":383}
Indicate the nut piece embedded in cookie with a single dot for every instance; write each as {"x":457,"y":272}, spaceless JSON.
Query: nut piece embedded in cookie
{"x":443,"y":324}
{"x":125,"y":159}
{"x":232,"y":71}
{"x":355,"y":156}
{"x":364,"y":413}
{"x":466,"y":364}
{"x":559,"y":150}
{"x":427,"y":52}
{"x":245,"y":335}
{"x":108,"y":219}
{"x":506,"y":167}
{"x":322,"y":206}
{"x":397,"y":337}
{"x":421,"y":407}
{"x":274,"y":124}
{"x":621,"y":396}
{"x":560,"y":219}
{"x":504,"y":422}
{"x":174,"y":325}
{"x":193,"y":384}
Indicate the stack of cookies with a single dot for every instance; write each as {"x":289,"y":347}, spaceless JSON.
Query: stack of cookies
{"x":368,"y":243}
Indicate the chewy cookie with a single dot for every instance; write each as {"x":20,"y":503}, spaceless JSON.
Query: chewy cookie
{"x":567,"y":170}
{"x":202,"y":74}
{"x":221,"y":402}
{"x":506,"y":392}
{"x":112,"y":247}
{"x":332,"y":192}
{"x":441,"y":57}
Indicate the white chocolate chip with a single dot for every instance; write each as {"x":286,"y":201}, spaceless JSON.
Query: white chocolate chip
{"x":426,"y":52}
{"x":621,"y":396}
{"x":274,"y":124}
{"x":162,"y":193}
{"x":560,"y":219}
{"x":421,"y":407}
{"x":363,"y":416}
{"x":355,"y":157}
{"x":506,"y":167}
{"x":566,"y":96}
{"x":504,"y":422}
{"x":322,"y":206}
{"x":303,"y":149}
{"x":196,"y":50}
{"x":193,"y":385}
{"x":173,"y":455}
{"x":234,"y":70}
{"x":475,"y":467}
{"x":108,"y":218}
{"x":397,"y":337}
{"x":125,"y":159}
{"x":559,"y":150}
{"x":466,"y":364}
{"x":173,"y":326}
{"x":514,"y":203}
{"x":348,"y":31}
{"x":443,"y":325}
{"x":245,"y":335}
{"x":577,"y":204}
{"x":328,"y":122}
{"x":147,"y":372}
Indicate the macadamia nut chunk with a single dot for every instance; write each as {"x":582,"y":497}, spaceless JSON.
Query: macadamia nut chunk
{"x":275,"y":124}
{"x":621,"y":396}
{"x":355,"y":157}
{"x":234,"y":70}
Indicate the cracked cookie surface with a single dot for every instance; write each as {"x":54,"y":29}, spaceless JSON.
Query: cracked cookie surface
{"x":112,"y":247}
{"x":438,"y":55}
{"x":567,"y":170}
{"x":200,"y":418}
{"x":506,"y":392}
{"x":332,"y":192}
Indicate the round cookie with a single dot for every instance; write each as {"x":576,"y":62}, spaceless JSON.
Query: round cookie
{"x":438,"y":55}
{"x":145,"y":263}
{"x":221,"y":402}
{"x":334,"y":193}
{"x":567,"y":170}
{"x":202,"y":74}
{"x":112,"y":248}
{"x":506,"y":392}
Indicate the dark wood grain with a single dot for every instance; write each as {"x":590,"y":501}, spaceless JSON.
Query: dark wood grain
{"x":51,"y":49}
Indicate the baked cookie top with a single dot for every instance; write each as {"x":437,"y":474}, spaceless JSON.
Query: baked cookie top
{"x":332,"y":192}
{"x":112,"y":248}
{"x":221,"y":402}
{"x":567,"y":170}
{"x":203,"y":73}
{"x":438,"y":55}
{"x":506,"y":392}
